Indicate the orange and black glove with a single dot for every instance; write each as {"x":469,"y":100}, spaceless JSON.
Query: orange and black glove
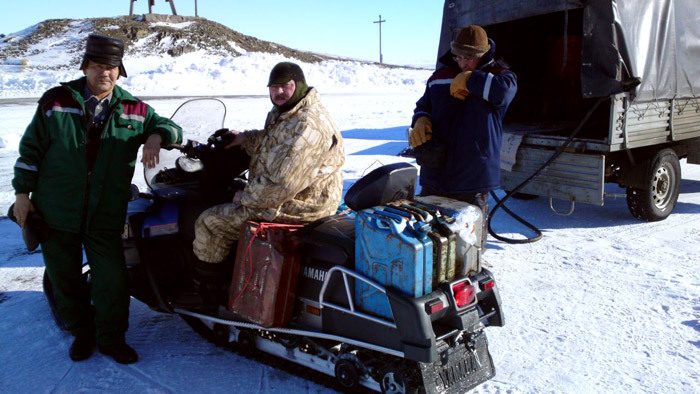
{"x":421,"y":132}
{"x":458,"y":87}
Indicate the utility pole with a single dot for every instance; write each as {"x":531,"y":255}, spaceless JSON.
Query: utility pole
{"x":380,"y":21}
{"x":195,"y":9}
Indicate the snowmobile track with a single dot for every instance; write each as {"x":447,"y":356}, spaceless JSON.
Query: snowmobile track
{"x":272,"y":361}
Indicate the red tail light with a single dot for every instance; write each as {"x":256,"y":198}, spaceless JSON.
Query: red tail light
{"x":487,"y":285}
{"x":464,"y":293}
{"x":433,"y":306}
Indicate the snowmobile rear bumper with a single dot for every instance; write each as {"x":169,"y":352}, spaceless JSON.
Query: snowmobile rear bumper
{"x":460,"y":368}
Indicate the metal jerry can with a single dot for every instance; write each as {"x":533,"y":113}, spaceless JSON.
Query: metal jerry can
{"x":440,"y":225}
{"x":394,"y":251}
{"x":265,"y":273}
{"x":466,"y":222}
{"x":443,"y":267}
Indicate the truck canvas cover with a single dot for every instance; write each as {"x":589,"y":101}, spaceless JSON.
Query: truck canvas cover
{"x":655,"y":40}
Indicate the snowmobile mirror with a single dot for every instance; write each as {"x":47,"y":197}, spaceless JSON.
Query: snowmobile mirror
{"x":188,"y":165}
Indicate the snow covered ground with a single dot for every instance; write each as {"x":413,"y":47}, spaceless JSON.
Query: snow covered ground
{"x":603,"y":303}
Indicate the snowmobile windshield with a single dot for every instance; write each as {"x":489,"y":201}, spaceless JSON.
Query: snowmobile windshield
{"x":198,"y":118}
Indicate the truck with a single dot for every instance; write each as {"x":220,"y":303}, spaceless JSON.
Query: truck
{"x":611,"y":87}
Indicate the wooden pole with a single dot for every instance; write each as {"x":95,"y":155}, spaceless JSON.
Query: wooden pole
{"x":131,"y":7}
{"x":380,"y":21}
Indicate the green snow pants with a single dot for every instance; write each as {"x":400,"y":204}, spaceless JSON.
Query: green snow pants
{"x":108,"y":316}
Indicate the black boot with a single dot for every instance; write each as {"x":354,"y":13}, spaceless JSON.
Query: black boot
{"x":82,"y":347}
{"x":120,"y":352}
{"x":213,"y":280}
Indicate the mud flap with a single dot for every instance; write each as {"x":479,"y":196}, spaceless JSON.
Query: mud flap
{"x":460,"y":368}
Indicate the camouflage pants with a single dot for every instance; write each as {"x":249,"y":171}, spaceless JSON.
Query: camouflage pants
{"x":217,"y":229}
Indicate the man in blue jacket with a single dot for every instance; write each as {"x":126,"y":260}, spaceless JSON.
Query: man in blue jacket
{"x":462,"y":109}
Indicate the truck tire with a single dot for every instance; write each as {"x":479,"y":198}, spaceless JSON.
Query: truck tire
{"x":656,"y":201}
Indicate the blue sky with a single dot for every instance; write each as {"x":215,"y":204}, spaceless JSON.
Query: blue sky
{"x":409,"y":35}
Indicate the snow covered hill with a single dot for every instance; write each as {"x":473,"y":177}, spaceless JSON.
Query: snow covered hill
{"x":178,"y":56}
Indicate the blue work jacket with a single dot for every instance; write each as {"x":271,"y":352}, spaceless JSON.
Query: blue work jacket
{"x":471,"y":128}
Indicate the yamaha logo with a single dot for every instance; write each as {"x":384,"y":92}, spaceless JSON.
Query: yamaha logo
{"x":314,"y":273}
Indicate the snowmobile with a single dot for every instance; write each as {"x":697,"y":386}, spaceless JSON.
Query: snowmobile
{"x":430,"y":341}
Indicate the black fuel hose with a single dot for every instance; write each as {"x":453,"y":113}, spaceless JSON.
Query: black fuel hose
{"x":500,"y":203}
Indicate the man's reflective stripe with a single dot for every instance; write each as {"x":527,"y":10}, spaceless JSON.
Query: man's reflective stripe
{"x":24,"y":166}
{"x":64,"y":109}
{"x":440,"y":82}
{"x":137,"y":118}
{"x":487,"y":86}
{"x":173,"y":134}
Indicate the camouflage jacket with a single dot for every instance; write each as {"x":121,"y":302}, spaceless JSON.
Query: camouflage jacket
{"x":295,"y":168}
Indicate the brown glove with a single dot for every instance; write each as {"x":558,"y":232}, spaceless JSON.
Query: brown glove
{"x":458,"y":87}
{"x":421,"y":132}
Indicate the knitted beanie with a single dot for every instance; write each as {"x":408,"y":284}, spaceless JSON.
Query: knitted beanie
{"x":284,"y":72}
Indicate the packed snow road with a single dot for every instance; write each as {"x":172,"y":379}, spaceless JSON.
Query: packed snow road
{"x":602,"y":303}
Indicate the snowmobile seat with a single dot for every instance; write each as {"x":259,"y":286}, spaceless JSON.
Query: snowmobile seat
{"x":383,"y":185}
{"x":326,"y":243}
{"x":330,"y":239}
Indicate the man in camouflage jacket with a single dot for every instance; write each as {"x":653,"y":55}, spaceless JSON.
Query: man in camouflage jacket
{"x":294,"y":174}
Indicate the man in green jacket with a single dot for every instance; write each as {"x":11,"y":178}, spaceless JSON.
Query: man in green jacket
{"x":76,"y":160}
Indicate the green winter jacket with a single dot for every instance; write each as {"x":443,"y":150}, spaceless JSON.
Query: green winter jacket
{"x":52,"y":163}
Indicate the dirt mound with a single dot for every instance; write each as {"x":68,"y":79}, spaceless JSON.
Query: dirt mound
{"x":144,"y":35}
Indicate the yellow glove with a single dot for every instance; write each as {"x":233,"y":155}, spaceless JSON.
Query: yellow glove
{"x":458,"y":87}
{"x":421,"y":132}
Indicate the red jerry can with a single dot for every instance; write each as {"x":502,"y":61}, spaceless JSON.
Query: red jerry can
{"x":265,"y":273}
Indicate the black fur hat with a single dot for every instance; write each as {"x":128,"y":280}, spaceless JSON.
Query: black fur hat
{"x":104,"y":50}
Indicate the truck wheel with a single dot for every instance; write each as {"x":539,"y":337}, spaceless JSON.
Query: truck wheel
{"x":347,"y":375}
{"x":657,"y":200}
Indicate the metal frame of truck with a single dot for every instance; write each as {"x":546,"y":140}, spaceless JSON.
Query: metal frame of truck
{"x":648,"y":126}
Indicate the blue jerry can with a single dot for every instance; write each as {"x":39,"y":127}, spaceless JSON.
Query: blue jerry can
{"x":394,"y":251}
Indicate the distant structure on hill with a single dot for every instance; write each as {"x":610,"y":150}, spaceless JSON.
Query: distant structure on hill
{"x":151,"y":3}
